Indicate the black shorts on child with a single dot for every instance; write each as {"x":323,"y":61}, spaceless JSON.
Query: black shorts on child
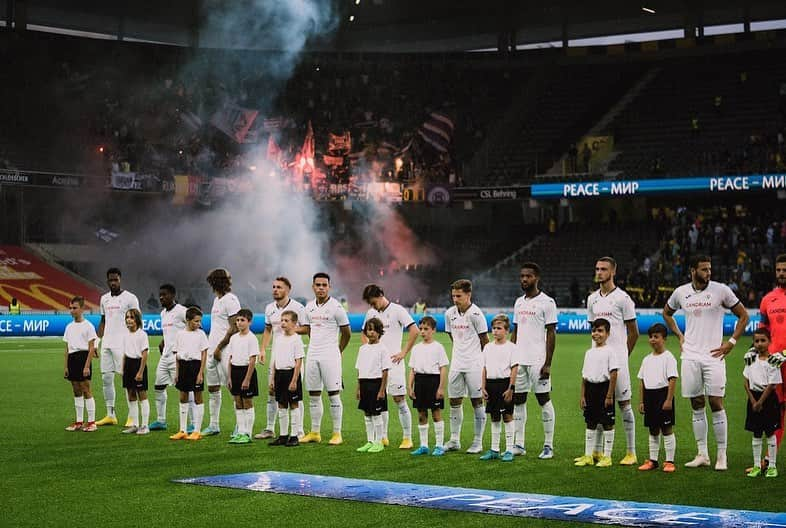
{"x":596,"y":411}
{"x":426,"y":386}
{"x":766,"y":421}
{"x":369,"y":403}
{"x":76,"y":366}
{"x":654,"y":415}
{"x":130,"y":370}
{"x":282,"y":379}
{"x":187,"y":372}
{"x":496,"y":404}
{"x":238,"y":374}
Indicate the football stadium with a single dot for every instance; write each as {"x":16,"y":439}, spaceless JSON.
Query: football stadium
{"x":348,"y":262}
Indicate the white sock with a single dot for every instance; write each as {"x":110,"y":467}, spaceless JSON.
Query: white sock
{"x":496,"y":432}
{"x":700,"y":431}
{"x":183,"y":414}
{"x":423,"y":434}
{"x":145,"y":404}
{"x":720,"y":429}
{"x":480,"y":424}
{"x":108,"y":379}
{"x":772,"y":448}
{"x":385,"y":418}
{"x":598,"y":439}
{"x":510,"y":432}
{"x":161,"y":398}
{"x":251,"y":415}
{"x":520,"y":419}
{"x":608,"y":442}
{"x":654,"y":447}
{"x":670,"y":446}
{"x":133,"y":414}
{"x":128,"y":401}
{"x":439,"y":433}
{"x":316,"y":408}
{"x":199,"y":413}
{"x":629,"y":424}
{"x":239,"y":415}
{"x":378,"y":431}
{"x":589,"y":442}
{"x":548,"y":416}
{"x":295,"y":425}
{"x":90,"y":405}
{"x":283,"y":422}
{"x":369,"y":428}
{"x":336,"y":412}
{"x":192,"y":408}
{"x":272,"y":409}
{"x":456,"y":419}
{"x":405,"y":418}
{"x":300,"y":410}
{"x":756,"y":443}
{"x":214,"y":406}
{"x":79,"y":406}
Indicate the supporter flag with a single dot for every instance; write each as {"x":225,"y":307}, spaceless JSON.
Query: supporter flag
{"x":437,"y":131}
{"x":306,"y":161}
{"x":273,"y":151}
{"x":339,"y":142}
{"x":234,"y":121}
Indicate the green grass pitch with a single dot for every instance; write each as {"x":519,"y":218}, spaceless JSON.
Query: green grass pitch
{"x":52,"y":477}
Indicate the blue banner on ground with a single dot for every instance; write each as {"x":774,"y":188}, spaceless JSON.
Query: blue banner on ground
{"x":568,"y":323}
{"x":579,"y":509}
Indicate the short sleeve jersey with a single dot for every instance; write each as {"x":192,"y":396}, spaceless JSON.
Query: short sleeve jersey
{"x":531,"y":316}
{"x":273,"y":315}
{"x":465,"y":329}
{"x":773,"y":317}
{"x":372,"y":360}
{"x":760,"y":374}
{"x":499,"y":359}
{"x":172,"y":322}
{"x":78,"y":335}
{"x":189,"y":345}
{"x":224,"y":307}
{"x":428,"y":358}
{"x":286,"y":349}
{"x":114,"y":308}
{"x":242,"y":348}
{"x":395,"y":318}
{"x":617,"y":308}
{"x":324,"y":320}
{"x":657,"y":369}
{"x":599,"y":362}
{"x":134,"y":343}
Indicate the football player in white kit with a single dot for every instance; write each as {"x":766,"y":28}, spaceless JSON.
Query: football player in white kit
{"x":282,"y":302}
{"x":222,"y":327}
{"x":324,"y":320}
{"x":535,"y":335}
{"x":615,"y":305}
{"x":112,"y":330}
{"x":395,"y":319}
{"x":173,"y":320}
{"x":703,"y":350}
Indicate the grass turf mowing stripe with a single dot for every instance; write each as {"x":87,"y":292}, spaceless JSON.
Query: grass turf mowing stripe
{"x":596,"y":511}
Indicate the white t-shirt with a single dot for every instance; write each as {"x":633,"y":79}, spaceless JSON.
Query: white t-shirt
{"x":465,"y":328}
{"x":704,"y":311}
{"x":172,"y":322}
{"x":760,"y":374}
{"x":428,"y":358}
{"x":324,"y":321}
{"x":616,"y":307}
{"x":657,"y":369}
{"x":395,"y":319}
{"x":224,"y":307}
{"x":599,"y":362}
{"x":531,"y":315}
{"x":79,"y":335}
{"x":372,"y":360}
{"x":189,"y":345}
{"x":273,"y":316}
{"x":499,"y":359}
{"x":134,"y":343}
{"x":242,"y":348}
{"x":286,"y":349}
{"x":114,"y":308}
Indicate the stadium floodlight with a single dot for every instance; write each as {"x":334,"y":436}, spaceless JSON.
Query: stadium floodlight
{"x":351,"y":18}
{"x":648,"y":10}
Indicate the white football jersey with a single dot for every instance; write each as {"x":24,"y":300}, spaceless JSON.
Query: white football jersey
{"x":395,"y":319}
{"x":499,"y":359}
{"x":617,"y":308}
{"x":465,"y":329}
{"x":657,"y":369}
{"x":273,"y":315}
{"x":79,"y":335}
{"x":531,"y":316}
{"x":324,"y":321}
{"x":172,"y":322}
{"x":224,"y":307}
{"x":114,"y":308}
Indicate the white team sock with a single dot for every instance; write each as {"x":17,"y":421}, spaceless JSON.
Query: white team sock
{"x":192,"y":408}
{"x":300,"y":410}
{"x":316,"y":408}
{"x":295,"y":425}
{"x":79,"y":406}
{"x":272,"y":409}
{"x":283,"y":422}
{"x":108,"y":379}
{"x":133,"y":414}
{"x":589,"y":442}
{"x":456,"y":419}
{"x":251,"y":415}
{"x":629,"y":424}
{"x":772,"y":449}
{"x":510,"y":432}
{"x":598,"y":439}
{"x":378,"y":431}
{"x":423,"y":434}
{"x":480,"y":423}
{"x":183,"y":415}
{"x":90,"y":405}
{"x":549,"y":417}
{"x":336,"y":412}
{"x":199,"y":413}
{"x":385,"y":418}
{"x":214,"y":406}
{"x":405,"y":418}
{"x":129,"y":402}
{"x":439,"y":433}
{"x":520,"y":419}
{"x":145,"y":404}
{"x":238,"y":420}
{"x":608,"y":442}
{"x":369,"y":428}
{"x":654,"y":447}
{"x":756,"y":443}
{"x":670,"y":446}
{"x":496,"y":432}
{"x":720,"y":429}
{"x":161,"y":398}
{"x":700,"y":431}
